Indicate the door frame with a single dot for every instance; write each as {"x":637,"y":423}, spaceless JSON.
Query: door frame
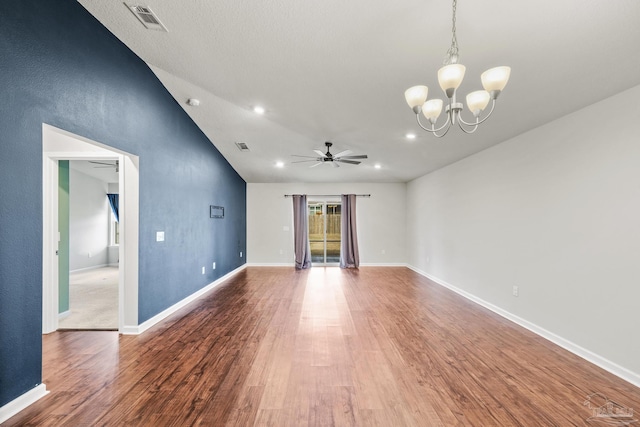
{"x":58,"y":144}
{"x":324,"y":201}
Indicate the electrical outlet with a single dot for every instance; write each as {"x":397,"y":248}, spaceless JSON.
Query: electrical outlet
{"x":202,"y":270}
{"x":516,"y":291}
{"x":214,"y":265}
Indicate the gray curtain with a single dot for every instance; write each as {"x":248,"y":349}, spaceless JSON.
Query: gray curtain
{"x":301,"y":232}
{"x":349,"y":254}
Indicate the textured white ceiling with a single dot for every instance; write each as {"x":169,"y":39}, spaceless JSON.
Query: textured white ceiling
{"x":337,"y":70}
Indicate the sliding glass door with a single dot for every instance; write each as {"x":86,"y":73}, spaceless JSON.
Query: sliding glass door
{"x":324,"y":232}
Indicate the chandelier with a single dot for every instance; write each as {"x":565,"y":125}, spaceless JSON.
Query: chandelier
{"x":450,"y":77}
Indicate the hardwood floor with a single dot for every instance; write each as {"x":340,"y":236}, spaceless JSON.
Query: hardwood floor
{"x":274,"y":346}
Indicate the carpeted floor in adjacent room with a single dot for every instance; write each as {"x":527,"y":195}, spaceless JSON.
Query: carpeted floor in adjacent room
{"x":93,"y":300}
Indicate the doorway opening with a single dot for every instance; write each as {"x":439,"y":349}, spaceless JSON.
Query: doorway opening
{"x":324,"y":231}
{"x":60,"y":147}
{"x":89,"y":237}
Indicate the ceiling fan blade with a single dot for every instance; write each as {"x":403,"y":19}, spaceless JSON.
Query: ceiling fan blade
{"x":351,"y":162}
{"x":303,"y":161}
{"x":359,"y":156}
{"x":320,"y":153}
{"x":313,"y":166}
{"x":342,"y":153}
{"x":311,"y":157}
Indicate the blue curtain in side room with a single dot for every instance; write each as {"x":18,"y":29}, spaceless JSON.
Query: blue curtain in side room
{"x":113,"y":201}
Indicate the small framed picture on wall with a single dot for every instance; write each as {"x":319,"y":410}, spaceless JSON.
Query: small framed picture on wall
{"x":216,"y":211}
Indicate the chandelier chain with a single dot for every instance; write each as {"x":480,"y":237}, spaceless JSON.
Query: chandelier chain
{"x":452,"y":53}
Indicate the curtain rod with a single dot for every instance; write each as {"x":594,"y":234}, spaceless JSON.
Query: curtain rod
{"x":329,"y":195}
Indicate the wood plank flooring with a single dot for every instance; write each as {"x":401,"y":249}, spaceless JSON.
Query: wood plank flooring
{"x":322,"y":347}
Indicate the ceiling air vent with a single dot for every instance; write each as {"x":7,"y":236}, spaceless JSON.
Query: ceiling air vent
{"x":147,"y":17}
{"x":242,"y":146}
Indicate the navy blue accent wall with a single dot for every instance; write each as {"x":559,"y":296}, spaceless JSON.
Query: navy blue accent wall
{"x":60,"y":66}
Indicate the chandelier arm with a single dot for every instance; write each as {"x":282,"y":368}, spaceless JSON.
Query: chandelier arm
{"x":433,"y":130}
{"x":443,"y":133}
{"x":463,"y":125}
{"x":493,"y":105}
{"x":467,"y":131}
{"x":462,"y":122}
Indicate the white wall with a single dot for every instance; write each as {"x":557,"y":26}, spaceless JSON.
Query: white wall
{"x":88,"y":221}
{"x":380,"y":221}
{"x":555,"y":211}
{"x":113,"y":188}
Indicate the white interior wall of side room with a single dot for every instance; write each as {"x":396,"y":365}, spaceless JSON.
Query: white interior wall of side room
{"x":88,"y":221}
{"x":380,"y":221}
{"x":554,"y":211}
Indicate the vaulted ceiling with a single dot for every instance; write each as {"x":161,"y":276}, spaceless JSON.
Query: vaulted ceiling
{"x":337,"y":70}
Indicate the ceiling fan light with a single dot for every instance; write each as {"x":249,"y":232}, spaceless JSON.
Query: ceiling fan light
{"x":478,"y":101}
{"x":416,"y":96}
{"x":450,"y":77}
{"x":495,"y":79}
{"x":432,"y":109}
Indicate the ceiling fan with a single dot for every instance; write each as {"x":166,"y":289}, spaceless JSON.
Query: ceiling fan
{"x":106,"y":165}
{"x":334,"y":159}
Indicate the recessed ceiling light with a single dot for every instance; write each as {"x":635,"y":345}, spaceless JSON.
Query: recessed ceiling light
{"x":410,"y":136}
{"x":279,"y":164}
{"x":377,"y":166}
{"x":193,"y":102}
{"x":258,"y":109}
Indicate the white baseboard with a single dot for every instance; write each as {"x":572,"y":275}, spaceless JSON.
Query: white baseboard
{"x":383,"y":264}
{"x":582,"y":352}
{"x":366,"y":264}
{"x":93,"y":267}
{"x":129,"y":330}
{"x":64,"y":314}
{"x":138,"y":329}
{"x":21,"y":402}
{"x":268,"y":264}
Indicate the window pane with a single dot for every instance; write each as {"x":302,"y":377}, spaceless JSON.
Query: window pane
{"x":333,"y":232}
{"x":324,"y":232}
{"x":316,"y":232}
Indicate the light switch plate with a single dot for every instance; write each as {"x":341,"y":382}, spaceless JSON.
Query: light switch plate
{"x":159,"y":236}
